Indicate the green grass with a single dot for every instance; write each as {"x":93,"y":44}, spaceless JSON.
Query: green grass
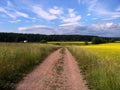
{"x":69,"y":43}
{"x":100,"y":65}
{"x":17,"y":59}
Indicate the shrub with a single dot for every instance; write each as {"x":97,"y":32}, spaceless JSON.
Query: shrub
{"x":112,"y":40}
{"x":43,"y":41}
{"x":86,"y":42}
{"x":97,"y":40}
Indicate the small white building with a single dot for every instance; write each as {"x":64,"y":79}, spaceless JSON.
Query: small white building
{"x":25,"y":41}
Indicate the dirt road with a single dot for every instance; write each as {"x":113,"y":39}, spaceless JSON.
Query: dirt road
{"x":58,"y":72}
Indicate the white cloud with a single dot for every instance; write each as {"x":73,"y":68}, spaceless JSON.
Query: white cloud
{"x":44,"y":14}
{"x":71,"y":13}
{"x":7,"y":13}
{"x":69,"y":24}
{"x":14,"y":21}
{"x":32,"y":27}
{"x":71,"y":18}
{"x":13,"y":13}
{"x":55,"y":10}
{"x":9,"y":4}
{"x":88,"y":14}
{"x":106,"y":29}
{"x":21,"y":14}
{"x":118,"y":8}
{"x":10,"y":11}
{"x":102,"y":26}
{"x":41,"y":29}
{"x":100,"y":29}
{"x":94,"y":6}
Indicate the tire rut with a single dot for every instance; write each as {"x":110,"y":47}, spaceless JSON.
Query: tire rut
{"x":59,"y":71}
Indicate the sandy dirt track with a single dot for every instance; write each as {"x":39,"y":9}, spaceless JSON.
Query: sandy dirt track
{"x":59,"y":71}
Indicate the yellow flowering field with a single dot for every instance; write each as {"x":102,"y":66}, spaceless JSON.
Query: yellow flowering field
{"x":109,"y":51}
{"x":100,"y":65}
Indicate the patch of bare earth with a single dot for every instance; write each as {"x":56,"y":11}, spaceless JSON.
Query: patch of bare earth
{"x":58,"y":72}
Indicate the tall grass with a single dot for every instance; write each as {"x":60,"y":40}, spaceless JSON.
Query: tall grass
{"x":100,"y":65}
{"x":17,"y":59}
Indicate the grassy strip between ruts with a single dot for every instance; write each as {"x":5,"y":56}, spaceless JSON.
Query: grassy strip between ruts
{"x":17,"y":59}
{"x":100,"y":72}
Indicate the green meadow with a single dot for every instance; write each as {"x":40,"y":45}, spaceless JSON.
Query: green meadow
{"x":17,"y":59}
{"x":99,"y":64}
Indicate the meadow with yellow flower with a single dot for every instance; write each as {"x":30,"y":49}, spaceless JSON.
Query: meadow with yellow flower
{"x":100,"y":65}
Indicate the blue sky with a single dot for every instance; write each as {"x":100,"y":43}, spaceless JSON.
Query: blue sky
{"x":84,"y":17}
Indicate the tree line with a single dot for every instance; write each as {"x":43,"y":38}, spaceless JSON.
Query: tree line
{"x":20,"y":37}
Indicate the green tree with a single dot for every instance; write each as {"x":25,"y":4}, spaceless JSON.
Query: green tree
{"x":97,"y":40}
{"x":86,"y":42}
{"x":43,"y":41}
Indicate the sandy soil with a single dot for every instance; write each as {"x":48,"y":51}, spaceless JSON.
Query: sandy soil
{"x":59,"y":71}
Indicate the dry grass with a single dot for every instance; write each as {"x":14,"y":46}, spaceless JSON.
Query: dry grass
{"x":17,"y":59}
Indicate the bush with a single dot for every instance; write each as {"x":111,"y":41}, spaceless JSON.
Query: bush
{"x":43,"y":41}
{"x":112,"y":40}
{"x":86,"y":42}
{"x":97,"y":40}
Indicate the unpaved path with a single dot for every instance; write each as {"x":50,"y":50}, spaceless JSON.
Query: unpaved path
{"x":58,"y":72}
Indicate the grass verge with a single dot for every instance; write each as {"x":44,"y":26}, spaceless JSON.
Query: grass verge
{"x":100,"y":73}
{"x":17,"y":59}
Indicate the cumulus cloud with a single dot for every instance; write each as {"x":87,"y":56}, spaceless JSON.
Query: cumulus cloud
{"x":42,"y":29}
{"x":44,"y":14}
{"x":99,"y":29}
{"x":106,"y":29}
{"x":71,"y":18}
{"x":33,"y":27}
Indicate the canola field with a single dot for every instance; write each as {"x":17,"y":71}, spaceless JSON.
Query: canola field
{"x":100,"y":65}
{"x":109,"y":51}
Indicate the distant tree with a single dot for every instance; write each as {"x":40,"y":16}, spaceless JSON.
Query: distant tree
{"x":57,"y":44}
{"x":112,"y":40}
{"x":97,"y":40}
{"x":86,"y":42}
{"x":19,"y":37}
{"x":43,"y":41}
